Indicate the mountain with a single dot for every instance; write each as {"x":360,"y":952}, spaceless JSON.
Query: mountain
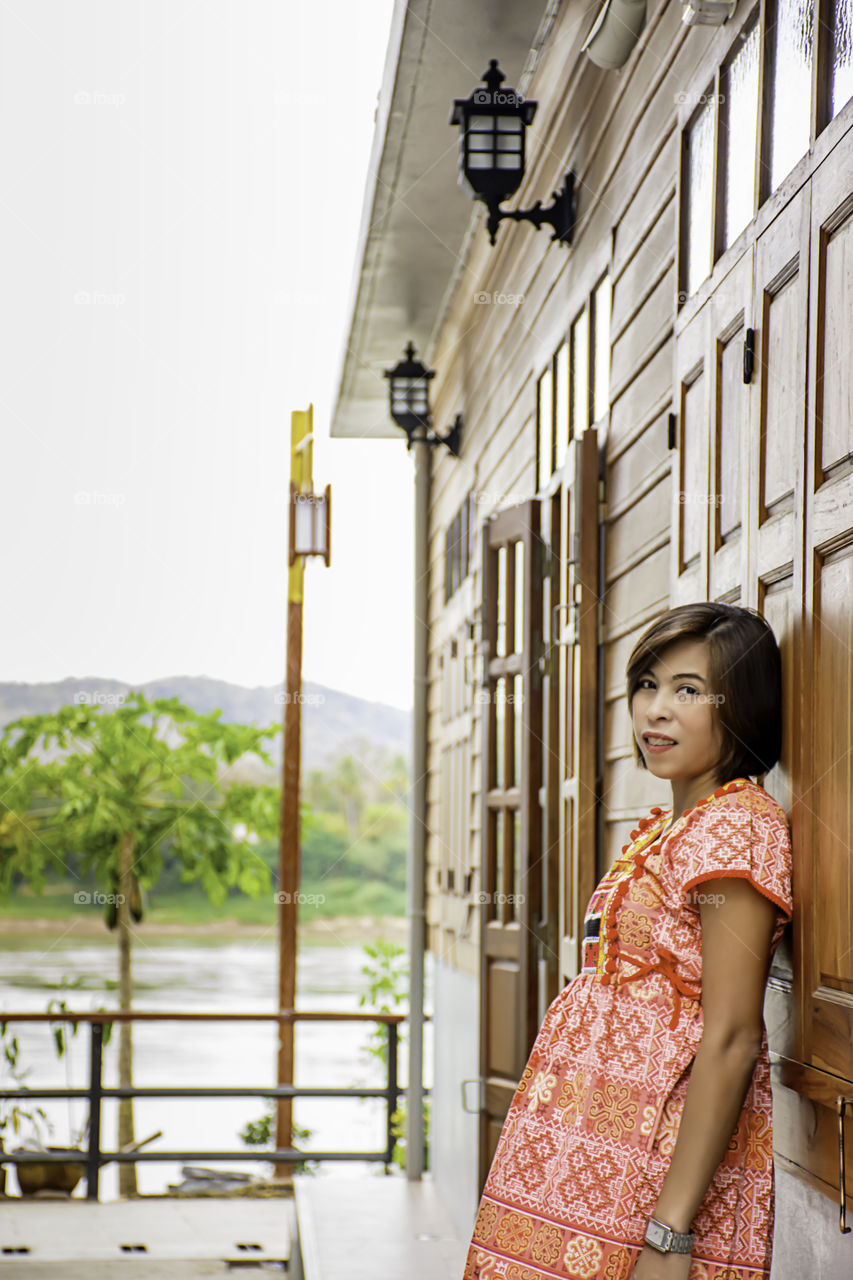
{"x":332,"y":721}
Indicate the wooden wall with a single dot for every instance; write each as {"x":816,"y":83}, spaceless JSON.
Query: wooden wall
{"x":617,"y":131}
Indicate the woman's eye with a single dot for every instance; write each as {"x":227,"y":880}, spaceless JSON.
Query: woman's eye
{"x":690,"y":687}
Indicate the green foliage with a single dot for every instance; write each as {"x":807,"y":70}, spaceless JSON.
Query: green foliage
{"x":259,"y":1133}
{"x":76,"y":782}
{"x":387,"y":973}
{"x":12,"y":1113}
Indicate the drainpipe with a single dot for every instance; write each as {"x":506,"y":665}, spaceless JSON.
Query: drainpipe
{"x":416,"y":878}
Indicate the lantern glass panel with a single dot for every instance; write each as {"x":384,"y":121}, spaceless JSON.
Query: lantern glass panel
{"x":508,"y":162}
{"x":304,"y":526}
{"x":479,"y":124}
{"x":509,"y":124}
{"x":480,"y":160}
{"x":319,"y":505}
{"x":480,"y":142}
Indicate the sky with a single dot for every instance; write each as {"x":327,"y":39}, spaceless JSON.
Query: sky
{"x":181,"y":191}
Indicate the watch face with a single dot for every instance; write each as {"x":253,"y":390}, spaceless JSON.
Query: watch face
{"x":658,"y":1235}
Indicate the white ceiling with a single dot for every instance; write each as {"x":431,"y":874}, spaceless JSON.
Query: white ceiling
{"x":415,"y":218}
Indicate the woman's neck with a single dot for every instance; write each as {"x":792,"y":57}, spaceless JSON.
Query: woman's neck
{"x":687,"y":792}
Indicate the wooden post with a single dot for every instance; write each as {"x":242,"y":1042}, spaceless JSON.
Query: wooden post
{"x":301,"y":435}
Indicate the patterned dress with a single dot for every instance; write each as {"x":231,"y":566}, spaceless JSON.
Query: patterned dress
{"x":592,"y":1125}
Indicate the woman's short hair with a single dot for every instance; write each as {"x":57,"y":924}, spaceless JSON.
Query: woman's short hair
{"x":744,"y":674}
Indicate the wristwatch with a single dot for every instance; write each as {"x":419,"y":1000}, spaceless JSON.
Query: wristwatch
{"x":665,"y":1240}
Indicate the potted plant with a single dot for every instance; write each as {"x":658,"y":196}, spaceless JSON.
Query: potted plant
{"x":64,"y":1175}
{"x":12,"y":1113}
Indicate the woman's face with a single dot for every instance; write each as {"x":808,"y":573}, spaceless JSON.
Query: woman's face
{"x":674,"y":700}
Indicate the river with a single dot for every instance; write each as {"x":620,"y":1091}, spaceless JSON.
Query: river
{"x":198,"y":974}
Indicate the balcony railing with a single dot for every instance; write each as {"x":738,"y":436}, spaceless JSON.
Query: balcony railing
{"x":95,"y":1158}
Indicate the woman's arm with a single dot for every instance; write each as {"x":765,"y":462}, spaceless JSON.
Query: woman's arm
{"x":736,"y":936}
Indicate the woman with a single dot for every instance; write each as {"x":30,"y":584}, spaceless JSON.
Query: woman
{"x":638,"y":1142}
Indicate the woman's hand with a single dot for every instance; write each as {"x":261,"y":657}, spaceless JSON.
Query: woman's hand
{"x":652,"y":1265}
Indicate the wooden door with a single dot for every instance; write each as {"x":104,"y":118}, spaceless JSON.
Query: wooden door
{"x":775,"y":454}
{"x":771,"y":447}
{"x":510,"y":894}
{"x":569,"y":622}
{"x":818,"y":1069}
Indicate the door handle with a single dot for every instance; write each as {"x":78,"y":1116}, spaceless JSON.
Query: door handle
{"x":840,"y":1103}
{"x":481,"y":1103}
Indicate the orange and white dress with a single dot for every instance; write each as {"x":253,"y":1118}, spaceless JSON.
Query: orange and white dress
{"x":592,"y":1125}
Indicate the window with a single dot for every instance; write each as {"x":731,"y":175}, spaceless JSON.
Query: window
{"x":573,"y":390}
{"x":545,"y":425}
{"x":790,"y":35}
{"x":842,"y":55}
{"x":459,"y":547}
{"x":739,"y":121}
{"x":699,"y":165}
{"x":754,"y":122}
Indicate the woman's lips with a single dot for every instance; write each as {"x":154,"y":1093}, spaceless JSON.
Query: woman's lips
{"x":656,"y":748}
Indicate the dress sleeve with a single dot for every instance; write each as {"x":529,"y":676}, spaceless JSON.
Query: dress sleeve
{"x":745,"y":838}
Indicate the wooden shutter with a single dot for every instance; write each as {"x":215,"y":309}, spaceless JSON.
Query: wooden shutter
{"x":578,"y":738}
{"x":510,"y":895}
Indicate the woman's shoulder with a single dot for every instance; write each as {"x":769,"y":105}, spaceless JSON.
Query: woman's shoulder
{"x":742,"y":802}
{"x":739,"y":830}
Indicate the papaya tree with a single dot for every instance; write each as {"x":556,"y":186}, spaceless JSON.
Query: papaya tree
{"x":105,"y":793}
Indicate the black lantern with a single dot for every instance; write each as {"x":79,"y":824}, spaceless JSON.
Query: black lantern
{"x":409,"y":402}
{"x":492,"y":125}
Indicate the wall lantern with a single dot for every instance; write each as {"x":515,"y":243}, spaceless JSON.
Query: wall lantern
{"x":310,"y":523}
{"x":408,"y":385}
{"x":492,"y":125}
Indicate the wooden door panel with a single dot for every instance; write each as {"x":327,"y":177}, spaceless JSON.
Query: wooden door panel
{"x":689,"y":545}
{"x":731,"y":310}
{"x":827,"y":766}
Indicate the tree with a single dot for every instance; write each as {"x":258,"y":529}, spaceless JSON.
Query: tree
{"x":114,"y":789}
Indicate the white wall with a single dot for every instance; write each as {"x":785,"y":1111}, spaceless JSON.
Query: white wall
{"x":453,"y":1132}
{"x":807,"y":1244}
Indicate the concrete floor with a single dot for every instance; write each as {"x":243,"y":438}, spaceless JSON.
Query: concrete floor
{"x":367,"y":1228}
{"x":183,"y":1238}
